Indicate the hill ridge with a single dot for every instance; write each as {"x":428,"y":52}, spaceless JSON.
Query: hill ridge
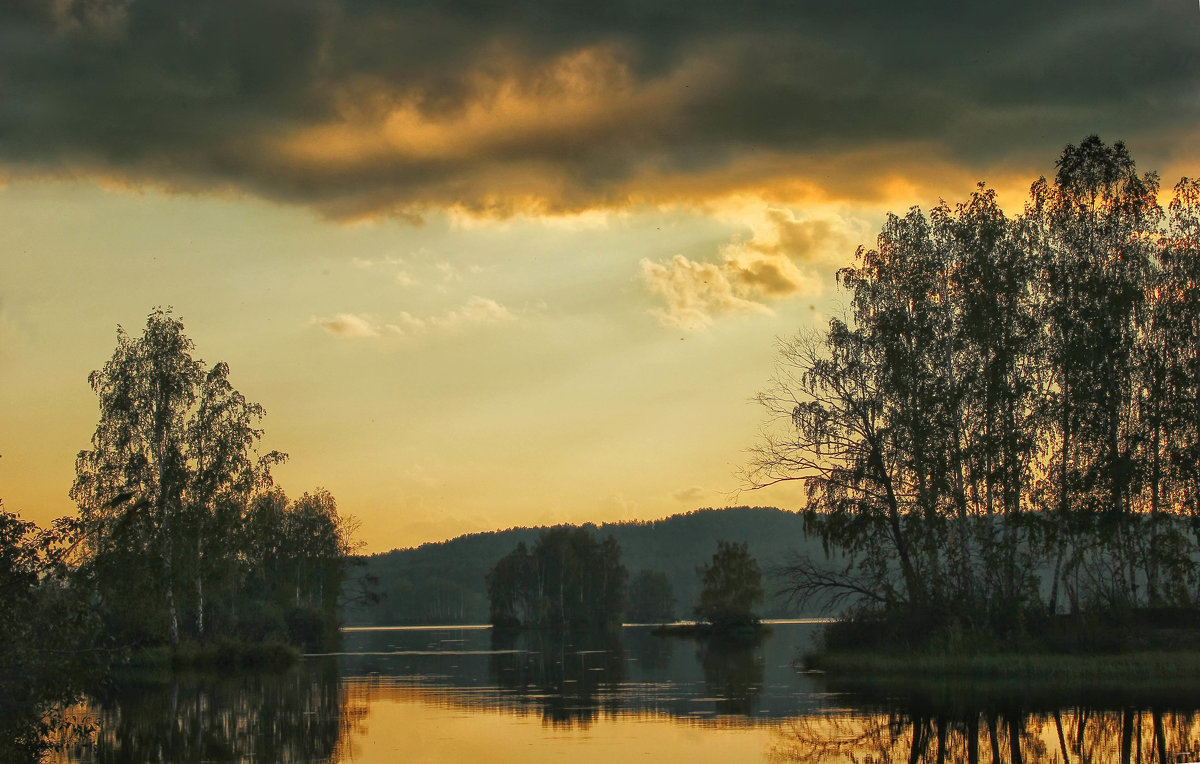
{"x":443,"y":581}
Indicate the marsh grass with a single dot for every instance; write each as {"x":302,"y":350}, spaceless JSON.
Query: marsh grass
{"x":220,"y":655}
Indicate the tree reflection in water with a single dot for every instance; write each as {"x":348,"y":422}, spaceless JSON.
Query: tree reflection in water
{"x":916,"y":731}
{"x":651,"y":652}
{"x":298,"y":716}
{"x":733,"y":674}
{"x":586,"y":687}
{"x":571,"y":675}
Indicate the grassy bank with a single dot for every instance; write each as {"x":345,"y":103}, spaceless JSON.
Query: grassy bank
{"x":217,"y":655}
{"x":1161,"y":643}
{"x":1041,"y":666}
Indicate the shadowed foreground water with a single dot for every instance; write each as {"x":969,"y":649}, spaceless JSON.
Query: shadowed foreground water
{"x":460,"y":694}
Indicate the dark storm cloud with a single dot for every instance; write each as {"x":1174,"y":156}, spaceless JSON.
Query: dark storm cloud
{"x":361,"y":108}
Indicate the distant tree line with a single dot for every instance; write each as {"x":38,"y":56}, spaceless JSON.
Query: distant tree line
{"x":1007,"y":423}
{"x":570,"y":580}
{"x":444,"y":582}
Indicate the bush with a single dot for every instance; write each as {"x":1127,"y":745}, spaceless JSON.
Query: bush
{"x":311,"y":629}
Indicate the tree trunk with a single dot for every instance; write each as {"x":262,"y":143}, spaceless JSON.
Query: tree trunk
{"x":919,"y":741}
{"x":169,"y":575}
{"x":1014,"y":738}
{"x":911,"y":581}
{"x":995,"y":738}
{"x":1126,"y":736}
{"x":1062,"y":740}
{"x":199,"y":586}
{"x":1152,"y":557}
{"x":1160,"y":739}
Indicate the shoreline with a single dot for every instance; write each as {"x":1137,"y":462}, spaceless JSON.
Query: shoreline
{"x":1133,"y":664}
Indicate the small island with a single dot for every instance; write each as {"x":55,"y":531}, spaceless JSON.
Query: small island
{"x":732,"y":588}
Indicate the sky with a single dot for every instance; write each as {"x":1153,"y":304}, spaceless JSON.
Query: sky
{"x":496,"y":264}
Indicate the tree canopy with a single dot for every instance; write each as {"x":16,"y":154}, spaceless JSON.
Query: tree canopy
{"x":179,"y":517}
{"x":1007,"y":422}
{"x":732,"y":587}
{"x":568,"y":580}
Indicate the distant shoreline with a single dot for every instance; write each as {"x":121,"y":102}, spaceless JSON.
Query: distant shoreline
{"x":480,"y":626}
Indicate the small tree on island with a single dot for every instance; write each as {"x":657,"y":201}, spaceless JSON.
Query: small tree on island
{"x":732,"y":587}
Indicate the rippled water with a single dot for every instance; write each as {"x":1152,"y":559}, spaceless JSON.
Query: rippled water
{"x":466,"y":694}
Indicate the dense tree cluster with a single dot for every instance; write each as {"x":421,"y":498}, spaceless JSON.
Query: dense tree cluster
{"x":568,"y":580}
{"x":182,"y":532}
{"x":1008,"y":421}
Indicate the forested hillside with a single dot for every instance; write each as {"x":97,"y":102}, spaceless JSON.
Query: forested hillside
{"x":444,"y":582}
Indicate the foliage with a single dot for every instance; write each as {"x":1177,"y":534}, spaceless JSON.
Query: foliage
{"x":732,"y":588}
{"x":651,"y":598}
{"x":182,"y":532}
{"x":46,"y":635}
{"x":568,"y":580}
{"x":1007,"y":419}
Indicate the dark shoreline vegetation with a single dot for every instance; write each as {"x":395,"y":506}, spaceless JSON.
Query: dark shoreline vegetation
{"x":1001,"y":441}
{"x":184,"y":556}
{"x":218,"y":654}
{"x":1040,"y":667}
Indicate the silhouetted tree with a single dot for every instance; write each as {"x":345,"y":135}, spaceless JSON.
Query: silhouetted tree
{"x":47,"y":634}
{"x":732,"y":587}
{"x":651,"y":598}
{"x":1007,"y":397}
{"x":177,"y":505}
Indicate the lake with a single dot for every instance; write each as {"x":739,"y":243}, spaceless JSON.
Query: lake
{"x":464,"y":694}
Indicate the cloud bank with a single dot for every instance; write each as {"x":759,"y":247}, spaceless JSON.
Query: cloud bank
{"x":363,"y":108}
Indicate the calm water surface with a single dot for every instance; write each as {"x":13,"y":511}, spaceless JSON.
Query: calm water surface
{"x":466,"y":694}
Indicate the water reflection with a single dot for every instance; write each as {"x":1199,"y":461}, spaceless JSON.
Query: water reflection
{"x":299,"y":716}
{"x":465,"y":695}
{"x":571,"y":676}
{"x":998,"y":722}
{"x":734,"y":675}
{"x":1066,"y":735}
{"x":650,"y":652}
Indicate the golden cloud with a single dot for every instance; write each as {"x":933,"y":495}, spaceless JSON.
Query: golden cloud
{"x":346,"y":325}
{"x":367,"y":110}
{"x":475,"y":312}
{"x":778,"y":261}
{"x":694,"y":291}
